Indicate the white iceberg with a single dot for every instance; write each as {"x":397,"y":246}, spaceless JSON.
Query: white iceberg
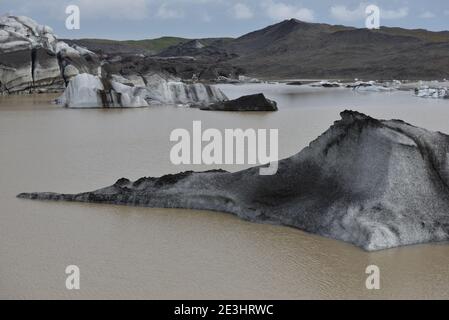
{"x":89,"y":91}
{"x":435,"y":93}
{"x":369,"y":86}
{"x":326,"y":84}
{"x":82,"y":92}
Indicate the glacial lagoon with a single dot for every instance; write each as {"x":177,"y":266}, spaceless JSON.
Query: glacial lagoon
{"x":125,"y":252}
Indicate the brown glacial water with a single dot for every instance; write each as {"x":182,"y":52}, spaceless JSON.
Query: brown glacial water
{"x":126,"y":252}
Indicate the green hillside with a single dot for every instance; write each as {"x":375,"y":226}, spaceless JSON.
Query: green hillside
{"x":155,"y":45}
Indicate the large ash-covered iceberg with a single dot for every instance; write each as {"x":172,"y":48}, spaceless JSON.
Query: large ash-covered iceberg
{"x":88,"y":91}
{"x":374,"y":183}
{"x":33,"y":60}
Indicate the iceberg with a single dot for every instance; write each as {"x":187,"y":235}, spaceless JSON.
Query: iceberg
{"x":89,"y":91}
{"x":435,"y":93}
{"x":374,"y":183}
{"x":32,"y":59}
{"x":371,"y":86}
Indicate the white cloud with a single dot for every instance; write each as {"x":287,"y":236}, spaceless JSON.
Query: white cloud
{"x":114,"y":9}
{"x":283,"y":11}
{"x":242,"y":11}
{"x":165,"y":12}
{"x":343,"y":13}
{"x":206,"y":17}
{"x":427,"y":15}
{"x":394,"y":14}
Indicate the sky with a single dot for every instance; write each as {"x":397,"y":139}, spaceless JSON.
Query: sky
{"x":144,"y":19}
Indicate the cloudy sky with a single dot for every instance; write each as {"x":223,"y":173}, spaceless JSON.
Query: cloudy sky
{"x":141,"y":19}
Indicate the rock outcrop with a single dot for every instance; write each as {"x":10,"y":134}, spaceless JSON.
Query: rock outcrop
{"x":33,"y":60}
{"x":374,"y":183}
{"x":255,"y":102}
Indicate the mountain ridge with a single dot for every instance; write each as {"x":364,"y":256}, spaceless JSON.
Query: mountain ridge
{"x":297,"y":49}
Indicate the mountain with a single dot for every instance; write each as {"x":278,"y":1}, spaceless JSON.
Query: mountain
{"x":296,"y":49}
{"x":205,"y":48}
{"x":147,"y":46}
{"x":377,"y":184}
{"x":289,"y":49}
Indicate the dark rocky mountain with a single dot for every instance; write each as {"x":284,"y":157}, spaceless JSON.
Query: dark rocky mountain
{"x":213,"y":50}
{"x":296,"y":49}
{"x":33,"y":60}
{"x":164,"y":46}
{"x":148,"y":46}
{"x":187,"y":68}
{"x":199,"y":59}
{"x":101,"y":46}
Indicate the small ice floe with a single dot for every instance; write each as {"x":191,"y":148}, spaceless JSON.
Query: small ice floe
{"x":370,"y":86}
{"x":326,"y":84}
{"x":245,"y":79}
{"x":240,"y":80}
{"x":396,"y":84}
{"x":226,"y":80}
{"x":435,"y":93}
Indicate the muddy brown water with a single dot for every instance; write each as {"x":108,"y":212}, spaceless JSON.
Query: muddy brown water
{"x":141,"y":253}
